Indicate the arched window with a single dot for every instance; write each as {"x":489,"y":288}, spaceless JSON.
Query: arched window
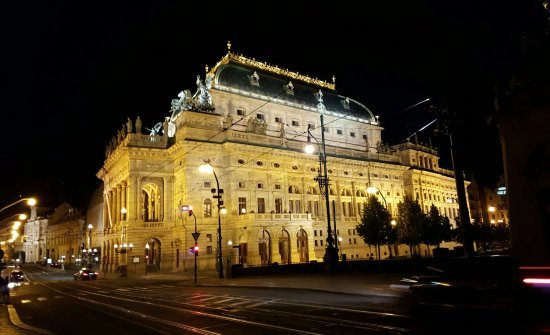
{"x":312,"y":190}
{"x":207,"y":208}
{"x":360,"y":193}
{"x":331,"y":191}
{"x":346,"y":192}
{"x":293,"y":189}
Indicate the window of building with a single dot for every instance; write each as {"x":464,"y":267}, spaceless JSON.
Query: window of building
{"x":316,"y":243}
{"x":339,"y":131}
{"x":260,"y":185}
{"x":276,"y":165}
{"x":208,"y":237}
{"x":315,"y":233}
{"x":278,"y":119}
{"x":310,"y":125}
{"x":278,"y":205}
{"x":277,"y":186}
{"x":321,"y":242}
{"x":320,"y":233}
{"x":261,"y":205}
{"x":241,"y":112}
{"x":207,"y":184}
{"x":207,"y":207}
{"x":295,"y":123}
{"x":352,"y":134}
{"x":325,"y":129}
{"x":209,"y":250}
{"x":242,"y":206}
{"x":259,"y":163}
{"x":242,"y":184}
{"x":364,"y":136}
{"x":260,"y":116}
{"x":292,"y":189}
{"x":241,"y":161}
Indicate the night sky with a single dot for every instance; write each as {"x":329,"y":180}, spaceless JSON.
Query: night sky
{"x":73,"y":73}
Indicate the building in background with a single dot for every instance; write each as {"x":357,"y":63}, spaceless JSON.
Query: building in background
{"x":250,"y":120}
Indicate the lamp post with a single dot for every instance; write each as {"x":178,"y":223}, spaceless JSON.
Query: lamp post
{"x":207,"y":168}
{"x":90,"y":227}
{"x":374,"y":190}
{"x":195,"y":237}
{"x":331,"y":256}
{"x":146,"y":256}
{"x":30,"y":201}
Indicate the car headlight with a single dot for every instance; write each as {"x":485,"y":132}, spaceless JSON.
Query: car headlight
{"x":11,"y":285}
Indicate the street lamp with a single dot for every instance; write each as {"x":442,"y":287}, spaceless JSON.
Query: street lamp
{"x":196,"y":236}
{"x":374,"y":190}
{"x":331,"y":256}
{"x":146,"y":256}
{"x":207,"y":167}
{"x":30,"y":201}
{"x":90,"y":227}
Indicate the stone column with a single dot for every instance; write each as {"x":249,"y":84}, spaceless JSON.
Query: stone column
{"x":137,"y":203}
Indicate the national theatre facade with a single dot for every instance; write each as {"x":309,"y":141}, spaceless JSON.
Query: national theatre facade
{"x":249,"y":121}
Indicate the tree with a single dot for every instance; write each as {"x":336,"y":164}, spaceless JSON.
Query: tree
{"x":375,"y":223}
{"x":437,"y":229}
{"x":410,"y":221}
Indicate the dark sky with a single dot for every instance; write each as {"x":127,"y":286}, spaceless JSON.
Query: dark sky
{"x":72,"y":73}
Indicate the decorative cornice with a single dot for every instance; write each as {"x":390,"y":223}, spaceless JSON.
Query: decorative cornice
{"x":240,"y":59}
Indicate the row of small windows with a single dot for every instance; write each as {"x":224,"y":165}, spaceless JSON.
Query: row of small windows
{"x":292,"y":189}
{"x":296,"y":123}
{"x":295,"y":167}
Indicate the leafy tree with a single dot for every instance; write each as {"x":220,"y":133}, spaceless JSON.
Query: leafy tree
{"x":437,"y":228}
{"x":375,"y":223}
{"x":410,"y":221}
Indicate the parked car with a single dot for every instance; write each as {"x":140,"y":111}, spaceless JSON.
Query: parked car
{"x":85,"y":274}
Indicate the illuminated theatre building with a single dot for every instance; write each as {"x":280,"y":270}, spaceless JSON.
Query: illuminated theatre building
{"x":250,"y":120}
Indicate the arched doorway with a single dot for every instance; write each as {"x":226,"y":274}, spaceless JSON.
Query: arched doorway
{"x":264,"y":246}
{"x":284,"y":246}
{"x":153,"y":254}
{"x":243,"y":249}
{"x":302,"y":246}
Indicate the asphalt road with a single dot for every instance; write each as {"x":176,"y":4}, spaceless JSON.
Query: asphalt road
{"x":52,"y":300}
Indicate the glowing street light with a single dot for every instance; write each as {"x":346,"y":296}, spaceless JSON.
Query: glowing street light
{"x":375,"y":190}
{"x":331,"y":253}
{"x":207,"y":167}
{"x":30,"y":201}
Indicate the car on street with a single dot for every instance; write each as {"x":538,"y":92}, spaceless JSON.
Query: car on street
{"x":17,"y":276}
{"x":85,"y":274}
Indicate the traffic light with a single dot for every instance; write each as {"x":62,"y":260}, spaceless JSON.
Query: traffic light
{"x":196,"y":249}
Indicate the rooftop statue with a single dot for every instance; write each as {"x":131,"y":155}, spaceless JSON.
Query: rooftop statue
{"x":320,"y":104}
{"x":202,"y":99}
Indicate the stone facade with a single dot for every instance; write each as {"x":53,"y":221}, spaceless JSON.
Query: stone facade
{"x":254,"y":141}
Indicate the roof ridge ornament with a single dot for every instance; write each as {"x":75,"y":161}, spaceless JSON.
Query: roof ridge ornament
{"x":264,"y":66}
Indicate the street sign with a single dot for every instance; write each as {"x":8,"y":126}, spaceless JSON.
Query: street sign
{"x":196,"y":236}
